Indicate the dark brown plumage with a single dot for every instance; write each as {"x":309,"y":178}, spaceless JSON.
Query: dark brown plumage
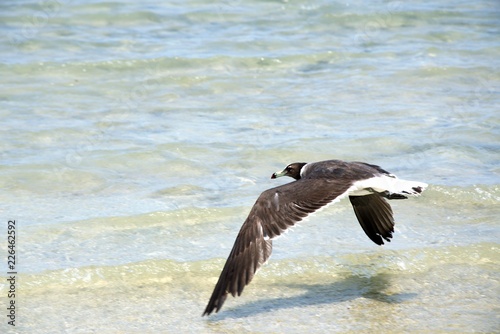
{"x":317,"y":184}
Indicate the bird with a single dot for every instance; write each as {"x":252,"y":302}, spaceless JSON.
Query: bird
{"x":315,"y":186}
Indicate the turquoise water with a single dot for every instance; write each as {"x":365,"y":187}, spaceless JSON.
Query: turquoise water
{"x":137,"y":136}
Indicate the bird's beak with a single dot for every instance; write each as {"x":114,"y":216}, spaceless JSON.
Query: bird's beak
{"x":278,"y":174}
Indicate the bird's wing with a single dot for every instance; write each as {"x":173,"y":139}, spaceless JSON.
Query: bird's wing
{"x":375,"y":216}
{"x":275,"y":210}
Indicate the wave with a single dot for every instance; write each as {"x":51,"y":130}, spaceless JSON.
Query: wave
{"x":203,"y":274}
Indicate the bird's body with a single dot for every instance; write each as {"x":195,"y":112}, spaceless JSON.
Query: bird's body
{"x":317,"y":185}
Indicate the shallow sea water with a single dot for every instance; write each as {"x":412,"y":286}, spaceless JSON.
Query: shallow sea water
{"x":137,"y":136}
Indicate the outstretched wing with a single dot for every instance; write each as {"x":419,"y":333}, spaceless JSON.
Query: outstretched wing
{"x":275,"y":210}
{"x":250,"y":251}
{"x":375,"y":216}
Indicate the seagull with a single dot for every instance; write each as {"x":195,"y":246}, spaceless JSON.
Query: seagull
{"x":316,"y":185}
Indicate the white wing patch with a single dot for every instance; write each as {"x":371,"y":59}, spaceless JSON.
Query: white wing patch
{"x":276,"y":201}
{"x":261,"y":230}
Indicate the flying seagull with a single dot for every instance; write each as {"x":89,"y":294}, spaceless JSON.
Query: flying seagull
{"x":316,"y":185}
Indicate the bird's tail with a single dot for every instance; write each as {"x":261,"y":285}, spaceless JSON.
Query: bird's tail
{"x":394,"y":188}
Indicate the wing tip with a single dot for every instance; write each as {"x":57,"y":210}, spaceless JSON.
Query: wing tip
{"x":214,"y":305}
{"x":379,"y":239}
{"x":208,"y":311}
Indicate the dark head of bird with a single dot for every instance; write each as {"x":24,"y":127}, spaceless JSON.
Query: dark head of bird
{"x":292,"y":170}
